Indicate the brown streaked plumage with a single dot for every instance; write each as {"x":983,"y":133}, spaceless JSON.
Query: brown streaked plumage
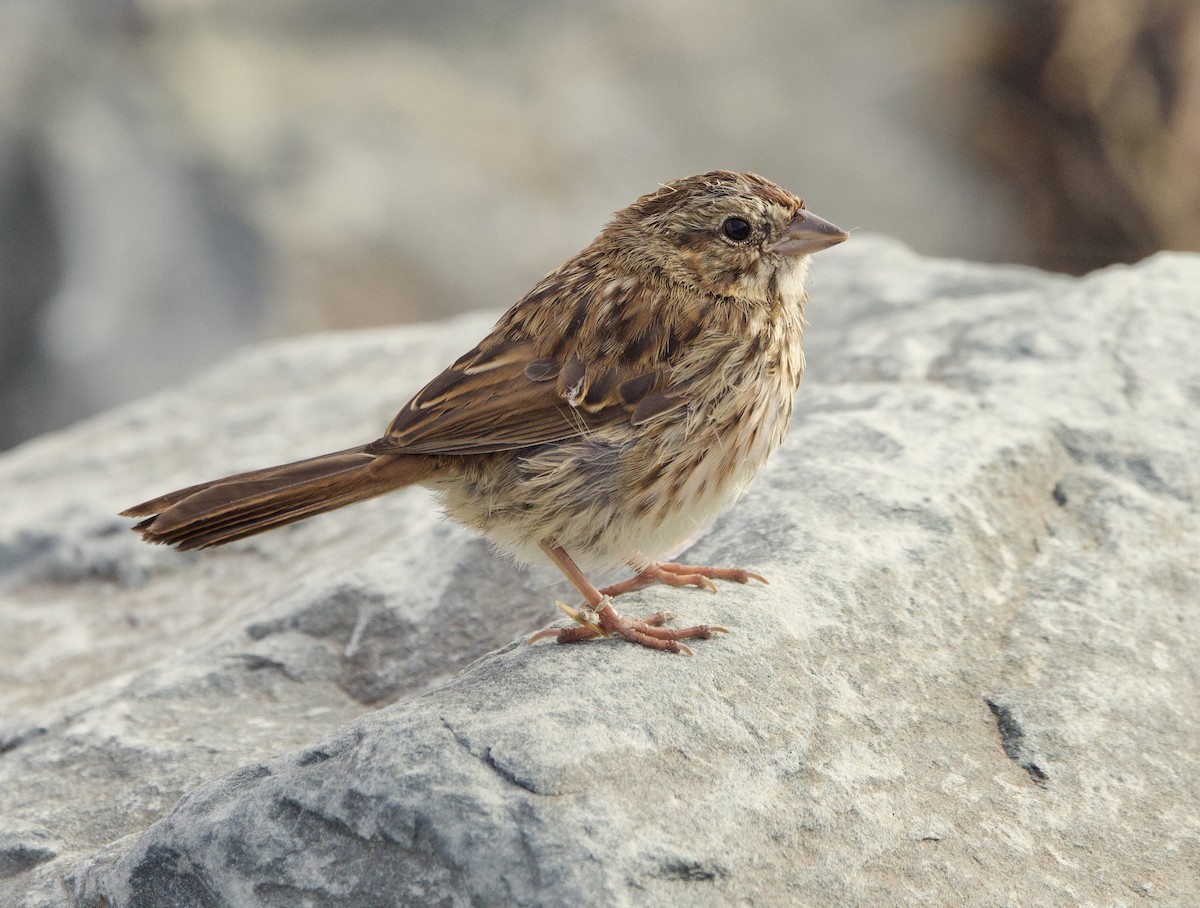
{"x":609,"y":415}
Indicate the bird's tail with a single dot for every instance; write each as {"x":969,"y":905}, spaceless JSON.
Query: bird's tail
{"x":222,"y":510}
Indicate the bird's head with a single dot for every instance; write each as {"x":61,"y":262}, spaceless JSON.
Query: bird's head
{"x":731,"y":234}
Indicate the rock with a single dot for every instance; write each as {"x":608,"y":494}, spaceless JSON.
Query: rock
{"x":972,"y":678}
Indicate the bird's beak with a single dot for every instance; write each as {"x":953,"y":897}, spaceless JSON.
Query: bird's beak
{"x":807,"y":233}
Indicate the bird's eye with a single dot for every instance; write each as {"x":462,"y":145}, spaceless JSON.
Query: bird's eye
{"x":736,"y":229}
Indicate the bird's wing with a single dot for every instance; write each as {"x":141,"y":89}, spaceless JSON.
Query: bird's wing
{"x":504,"y":395}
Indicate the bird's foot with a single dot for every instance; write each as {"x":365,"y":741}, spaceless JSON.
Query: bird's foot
{"x":649,"y":631}
{"x":673,"y":574}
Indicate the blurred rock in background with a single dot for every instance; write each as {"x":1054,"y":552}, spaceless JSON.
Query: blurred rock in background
{"x":180,"y":177}
{"x":1092,"y":115}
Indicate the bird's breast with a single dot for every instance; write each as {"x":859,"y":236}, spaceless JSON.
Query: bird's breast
{"x":690,"y":468}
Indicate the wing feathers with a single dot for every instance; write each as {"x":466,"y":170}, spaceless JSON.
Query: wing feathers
{"x":591,"y":369}
{"x":510,"y":397}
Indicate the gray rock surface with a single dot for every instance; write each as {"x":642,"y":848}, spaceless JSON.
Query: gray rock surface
{"x":972,"y":680}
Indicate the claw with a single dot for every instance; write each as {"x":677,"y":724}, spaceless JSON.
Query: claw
{"x":579,"y":616}
{"x":672,"y":574}
{"x":597,"y":617}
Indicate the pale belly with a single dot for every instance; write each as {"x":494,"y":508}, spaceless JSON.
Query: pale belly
{"x":617,"y":496}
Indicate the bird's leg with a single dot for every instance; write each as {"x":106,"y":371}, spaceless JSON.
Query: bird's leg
{"x":598,"y":617}
{"x":673,"y":574}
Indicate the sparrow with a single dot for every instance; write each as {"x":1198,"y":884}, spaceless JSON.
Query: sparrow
{"x":608,"y":417}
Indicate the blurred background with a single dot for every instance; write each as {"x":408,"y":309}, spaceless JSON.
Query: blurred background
{"x":179,"y":178}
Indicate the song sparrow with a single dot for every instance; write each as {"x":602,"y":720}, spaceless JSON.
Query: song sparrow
{"x":609,"y":415}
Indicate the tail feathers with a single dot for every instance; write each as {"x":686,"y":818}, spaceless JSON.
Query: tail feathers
{"x":220,"y":511}
{"x":319,"y":466}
